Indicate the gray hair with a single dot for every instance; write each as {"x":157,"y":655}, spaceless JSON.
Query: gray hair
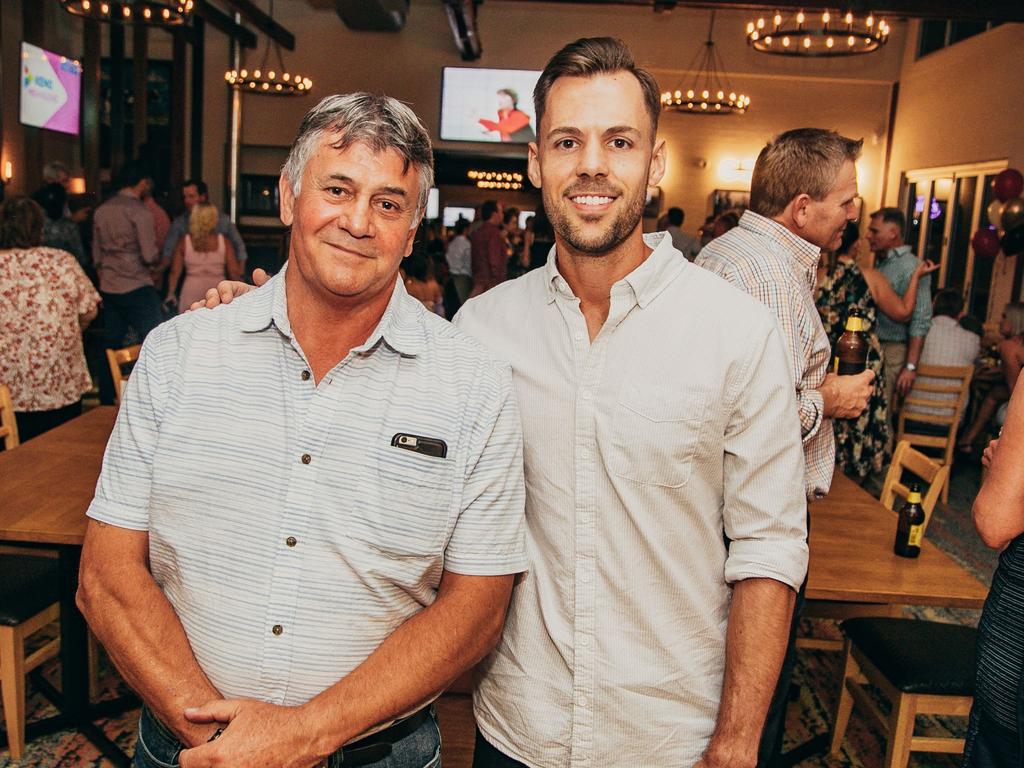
{"x":53,"y":170}
{"x":380,"y":122}
{"x":802,"y":161}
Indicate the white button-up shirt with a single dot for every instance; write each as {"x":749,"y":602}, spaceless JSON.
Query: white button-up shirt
{"x":675,"y":427}
{"x":289,"y":533}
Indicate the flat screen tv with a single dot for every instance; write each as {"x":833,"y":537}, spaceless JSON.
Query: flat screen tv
{"x":51,"y":89}
{"x":493,"y":105}
{"x":452,"y":213}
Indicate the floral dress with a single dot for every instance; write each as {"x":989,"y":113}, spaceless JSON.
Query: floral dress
{"x":863,"y":444}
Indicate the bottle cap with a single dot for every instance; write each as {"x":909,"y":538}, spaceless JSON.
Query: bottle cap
{"x":914,"y":497}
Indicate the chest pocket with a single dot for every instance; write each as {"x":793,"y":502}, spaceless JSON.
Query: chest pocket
{"x":656,"y":430}
{"x":406,"y":502}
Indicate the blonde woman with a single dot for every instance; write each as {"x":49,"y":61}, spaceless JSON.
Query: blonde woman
{"x":205,"y":257}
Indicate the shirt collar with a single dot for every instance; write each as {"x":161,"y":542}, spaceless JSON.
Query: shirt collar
{"x":646,"y":281}
{"x":806,"y":253}
{"x":400,"y":327}
{"x":900,"y":250}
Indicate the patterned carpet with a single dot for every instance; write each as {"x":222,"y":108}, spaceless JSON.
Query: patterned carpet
{"x":816,"y":677}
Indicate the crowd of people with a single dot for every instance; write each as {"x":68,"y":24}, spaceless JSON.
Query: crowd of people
{"x":637,"y":423}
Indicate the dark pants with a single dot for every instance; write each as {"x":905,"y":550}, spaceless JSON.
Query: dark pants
{"x":775,"y":723}
{"x":139,"y":309}
{"x":487,"y":756}
{"x":34,"y":423}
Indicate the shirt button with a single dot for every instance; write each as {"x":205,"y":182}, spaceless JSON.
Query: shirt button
{"x":306,"y":458}
{"x":579,"y":336}
{"x":305,"y":375}
{"x":291,"y":541}
{"x":583,"y":701}
{"x":584,"y":641}
{"x":586,"y":394}
{"x":584,"y":454}
{"x":585,"y":577}
{"x":584,"y":518}
{"x":277,"y":629}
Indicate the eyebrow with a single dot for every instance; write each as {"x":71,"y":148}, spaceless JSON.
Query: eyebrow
{"x":385,"y":190}
{"x":577,"y":133}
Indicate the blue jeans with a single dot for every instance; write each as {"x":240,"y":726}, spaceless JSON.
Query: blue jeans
{"x":140,"y":309}
{"x":157,"y":747}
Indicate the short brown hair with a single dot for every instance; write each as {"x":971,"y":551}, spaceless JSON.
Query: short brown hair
{"x":892,"y":216}
{"x":21,"y":223}
{"x":591,"y":56}
{"x":802,"y":161}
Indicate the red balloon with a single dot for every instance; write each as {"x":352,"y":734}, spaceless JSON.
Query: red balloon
{"x":985,"y":243}
{"x":1008,"y":184}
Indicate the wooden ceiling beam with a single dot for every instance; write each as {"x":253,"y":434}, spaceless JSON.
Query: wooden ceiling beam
{"x":264,"y":23}
{"x":224,"y":23}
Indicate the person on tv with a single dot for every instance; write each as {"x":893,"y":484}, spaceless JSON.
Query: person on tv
{"x":513,"y":125}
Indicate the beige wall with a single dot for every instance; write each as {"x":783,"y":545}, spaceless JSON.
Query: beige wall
{"x":850,"y":95}
{"x":962,"y":104}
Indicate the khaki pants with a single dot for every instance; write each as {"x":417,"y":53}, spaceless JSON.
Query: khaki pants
{"x":895,"y":354}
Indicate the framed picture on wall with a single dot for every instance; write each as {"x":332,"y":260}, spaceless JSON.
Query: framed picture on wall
{"x":723,"y":200}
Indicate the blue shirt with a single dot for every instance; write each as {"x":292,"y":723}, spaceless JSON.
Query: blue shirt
{"x":897,"y":267}
{"x":179,"y":228}
{"x":286,"y":581}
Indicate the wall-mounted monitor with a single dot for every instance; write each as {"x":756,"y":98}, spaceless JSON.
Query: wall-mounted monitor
{"x":493,"y":105}
{"x":452,"y":213}
{"x":433,"y":204}
{"x":51,"y":89}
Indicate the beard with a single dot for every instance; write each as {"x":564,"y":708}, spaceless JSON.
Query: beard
{"x":613,"y":234}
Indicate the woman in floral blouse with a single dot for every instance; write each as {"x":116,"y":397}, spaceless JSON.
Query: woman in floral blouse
{"x":863,"y":445}
{"x":45,"y":301}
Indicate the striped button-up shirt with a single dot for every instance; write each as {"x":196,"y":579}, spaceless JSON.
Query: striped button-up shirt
{"x":675,"y":425}
{"x":898,"y":266}
{"x":946,"y":344}
{"x":287,"y":531}
{"x":776,"y":267}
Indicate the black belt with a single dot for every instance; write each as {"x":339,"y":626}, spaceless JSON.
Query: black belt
{"x":377,"y":746}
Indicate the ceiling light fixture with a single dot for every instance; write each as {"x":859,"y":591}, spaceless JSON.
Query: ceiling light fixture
{"x":709,"y":91}
{"x":266,"y":79}
{"x":830,"y":34}
{"x":158,"y":13}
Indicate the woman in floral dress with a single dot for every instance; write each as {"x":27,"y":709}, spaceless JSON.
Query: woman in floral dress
{"x":863,"y":445}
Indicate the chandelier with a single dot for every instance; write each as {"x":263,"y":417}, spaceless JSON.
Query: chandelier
{"x":155,"y":12}
{"x":803,"y":35}
{"x":709,"y":91}
{"x":267,"y":80}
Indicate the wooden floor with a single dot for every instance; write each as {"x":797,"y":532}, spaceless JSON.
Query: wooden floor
{"x":455,"y":715}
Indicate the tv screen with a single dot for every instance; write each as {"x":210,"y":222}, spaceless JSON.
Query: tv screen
{"x":452,"y":213}
{"x":51,"y":90}
{"x":494,"y":105}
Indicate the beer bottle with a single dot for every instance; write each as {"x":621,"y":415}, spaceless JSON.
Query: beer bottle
{"x":850,"y":355}
{"x":910,"y":529}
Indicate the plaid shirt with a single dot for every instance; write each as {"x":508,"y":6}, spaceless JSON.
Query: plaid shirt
{"x":776,"y":267}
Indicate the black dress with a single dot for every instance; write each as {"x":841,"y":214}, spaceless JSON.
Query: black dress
{"x":994,"y":734}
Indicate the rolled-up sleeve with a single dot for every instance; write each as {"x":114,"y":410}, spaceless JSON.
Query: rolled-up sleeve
{"x":489,"y":538}
{"x":921,"y":319}
{"x":123,"y":489}
{"x":765,"y":509}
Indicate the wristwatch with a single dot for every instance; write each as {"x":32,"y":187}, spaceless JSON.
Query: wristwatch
{"x":910,"y":366}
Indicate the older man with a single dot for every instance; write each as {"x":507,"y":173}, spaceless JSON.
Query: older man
{"x":367,"y":559}
{"x":801,"y":197}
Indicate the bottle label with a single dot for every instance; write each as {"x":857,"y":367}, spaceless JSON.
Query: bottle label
{"x":914,"y":497}
{"x":915,"y":536}
{"x":835,"y":364}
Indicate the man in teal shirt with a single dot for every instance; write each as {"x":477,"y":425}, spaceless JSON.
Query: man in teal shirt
{"x":901,"y":342}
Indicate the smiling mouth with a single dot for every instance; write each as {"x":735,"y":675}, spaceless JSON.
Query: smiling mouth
{"x":349,"y":251}
{"x":592,"y":201}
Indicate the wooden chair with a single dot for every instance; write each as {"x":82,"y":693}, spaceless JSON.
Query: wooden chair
{"x":118,"y":360}
{"x":894,"y":491}
{"x":28,"y":602}
{"x":8,"y":424}
{"x":944,"y":389}
{"x":921,"y":667}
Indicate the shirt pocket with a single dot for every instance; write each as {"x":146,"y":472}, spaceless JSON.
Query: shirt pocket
{"x":656,"y":431}
{"x":406,"y":503}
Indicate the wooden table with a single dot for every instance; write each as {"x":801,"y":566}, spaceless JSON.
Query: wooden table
{"x":852,"y":560}
{"x":47,"y":484}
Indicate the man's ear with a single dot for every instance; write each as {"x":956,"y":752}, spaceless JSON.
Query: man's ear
{"x":799,"y":209}
{"x":410,"y":239}
{"x":533,"y":164}
{"x":658,"y":160}
{"x":284,"y":189}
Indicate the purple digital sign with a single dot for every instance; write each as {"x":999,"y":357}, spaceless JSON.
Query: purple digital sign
{"x":51,"y":88}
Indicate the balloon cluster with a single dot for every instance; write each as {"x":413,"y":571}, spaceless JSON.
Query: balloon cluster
{"x":1006,"y":215}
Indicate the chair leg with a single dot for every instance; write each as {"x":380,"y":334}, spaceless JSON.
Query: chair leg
{"x":901,"y":731}
{"x":845,"y":704}
{"x":12,"y":681}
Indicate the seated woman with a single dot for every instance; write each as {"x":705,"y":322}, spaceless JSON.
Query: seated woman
{"x":1011,"y":357}
{"x":205,"y":256}
{"x":47,"y":301}
{"x":863,"y":444}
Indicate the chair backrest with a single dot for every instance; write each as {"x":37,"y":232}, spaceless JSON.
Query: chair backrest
{"x":938,"y":396}
{"x":8,"y":425}
{"x":932,"y":473}
{"x":119,"y":359}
